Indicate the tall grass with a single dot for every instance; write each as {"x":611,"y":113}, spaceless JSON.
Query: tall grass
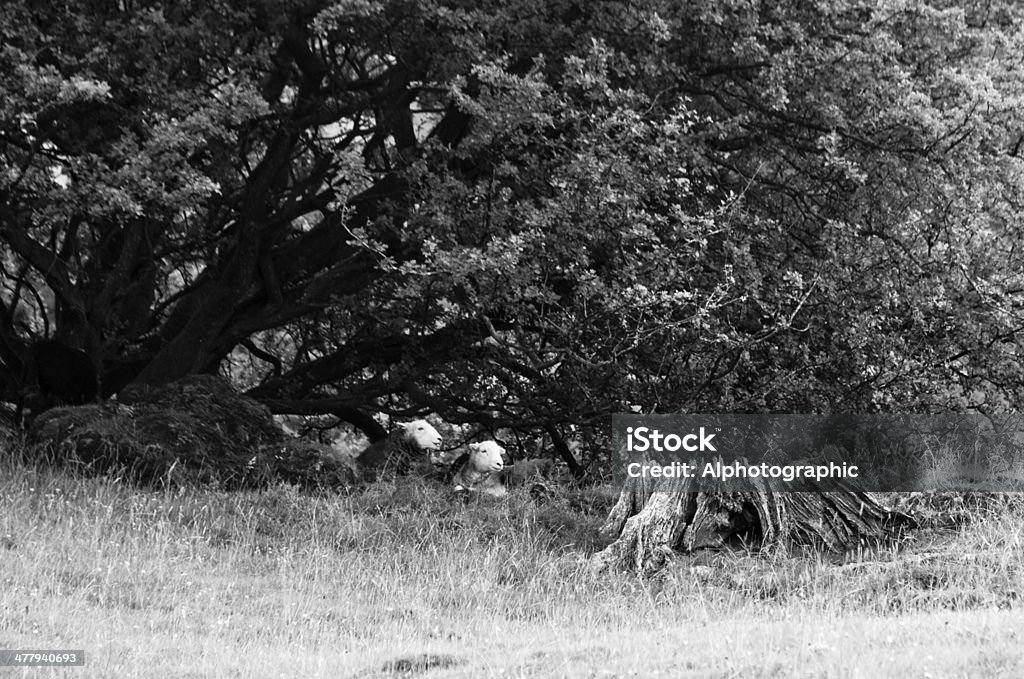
{"x":405,"y":580}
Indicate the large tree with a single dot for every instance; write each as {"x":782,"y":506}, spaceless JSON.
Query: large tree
{"x":519,"y":214}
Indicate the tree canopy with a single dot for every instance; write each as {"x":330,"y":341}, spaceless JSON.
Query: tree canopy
{"x":523,"y":215}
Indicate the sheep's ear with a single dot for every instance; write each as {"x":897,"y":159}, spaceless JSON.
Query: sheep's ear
{"x":404,"y":426}
{"x":475,"y":446}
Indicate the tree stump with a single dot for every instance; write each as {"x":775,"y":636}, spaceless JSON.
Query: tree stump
{"x":656,"y":518}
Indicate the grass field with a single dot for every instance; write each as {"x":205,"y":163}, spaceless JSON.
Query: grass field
{"x":403,"y":581}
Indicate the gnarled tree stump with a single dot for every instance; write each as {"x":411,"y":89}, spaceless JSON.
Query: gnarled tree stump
{"x":655,"y":518}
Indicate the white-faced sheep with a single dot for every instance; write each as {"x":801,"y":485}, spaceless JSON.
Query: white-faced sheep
{"x":402,"y":450}
{"x":481,"y":471}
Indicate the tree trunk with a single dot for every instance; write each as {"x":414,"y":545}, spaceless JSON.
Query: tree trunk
{"x":655,"y":518}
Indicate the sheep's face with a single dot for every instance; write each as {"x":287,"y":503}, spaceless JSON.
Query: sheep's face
{"x":486,"y":456}
{"x":423,"y":434}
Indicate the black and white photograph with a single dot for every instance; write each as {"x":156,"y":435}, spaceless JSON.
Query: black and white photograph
{"x":437,"y":339}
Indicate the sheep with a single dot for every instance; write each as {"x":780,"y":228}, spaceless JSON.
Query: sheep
{"x":401,"y":451}
{"x":480,"y":472}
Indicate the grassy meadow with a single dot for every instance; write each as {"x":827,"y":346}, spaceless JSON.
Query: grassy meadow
{"x":405,"y":581}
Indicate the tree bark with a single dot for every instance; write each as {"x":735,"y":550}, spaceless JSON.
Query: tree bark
{"x":345,"y":412}
{"x":654,"y":519}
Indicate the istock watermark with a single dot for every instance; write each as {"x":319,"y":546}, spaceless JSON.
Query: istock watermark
{"x":821,"y":452}
{"x":642,"y":439}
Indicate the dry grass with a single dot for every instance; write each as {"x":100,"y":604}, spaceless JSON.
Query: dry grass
{"x":403,"y":581}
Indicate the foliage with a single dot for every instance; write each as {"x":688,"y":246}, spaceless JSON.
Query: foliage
{"x":521,"y":215}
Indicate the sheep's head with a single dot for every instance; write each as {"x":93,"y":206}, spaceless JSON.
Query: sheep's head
{"x":487,"y":456}
{"x":422,"y":434}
